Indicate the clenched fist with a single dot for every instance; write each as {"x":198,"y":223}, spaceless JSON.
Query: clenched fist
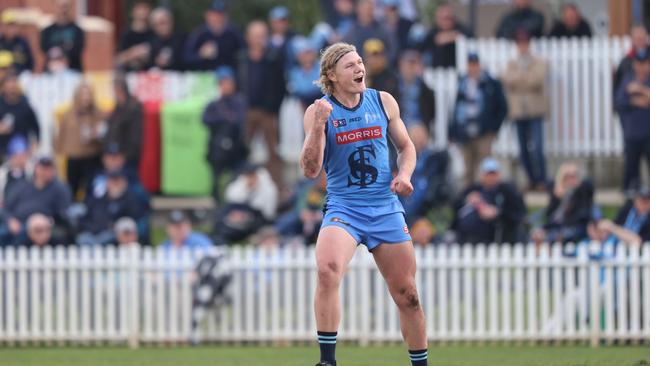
{"x":322,"y":110}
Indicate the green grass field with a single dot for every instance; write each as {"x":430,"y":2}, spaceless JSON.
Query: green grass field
{"x":347,"y":356}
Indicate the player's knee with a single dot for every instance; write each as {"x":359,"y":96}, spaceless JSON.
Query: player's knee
{"x":408,"y":299}
{"x":329,"y":274}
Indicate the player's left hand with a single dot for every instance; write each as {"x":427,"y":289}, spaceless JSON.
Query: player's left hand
{"x":401,"y":186}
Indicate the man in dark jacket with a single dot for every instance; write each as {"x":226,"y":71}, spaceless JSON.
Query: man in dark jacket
{"x":262,"y":82}
{"x":17,"y":118}
{"x":490,"y":211}
{"x":166,"y":46}
{"x":12,"y":41}
{"x":45,"y":195}
{"x":416,"y":100}
{"x":640,"y":42}
{"x":572,"y":24}
{"x":367,"y":27}
{"x":214,"y":43}
{"x":479,"y":111}
{"x":125,"y":123}
{"x":439,"y":45}
{"x":522,"y":17}
{"x":633,"y":105}
{"x":65,"y":34}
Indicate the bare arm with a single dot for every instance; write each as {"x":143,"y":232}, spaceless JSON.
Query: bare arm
{"x":406,"y":156}
{"x":313,"y":150}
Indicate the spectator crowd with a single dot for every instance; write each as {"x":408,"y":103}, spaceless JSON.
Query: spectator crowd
{"x":100,"y":199}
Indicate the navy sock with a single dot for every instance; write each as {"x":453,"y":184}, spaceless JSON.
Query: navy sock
{"x":327,"y":343}
{"x":418,"y":357}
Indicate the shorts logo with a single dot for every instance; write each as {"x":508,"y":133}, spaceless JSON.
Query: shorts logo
{"x":406,"y":229}
{"x":339,"y":220}
{"x":368,"y":133}
{"x":339,"y":122}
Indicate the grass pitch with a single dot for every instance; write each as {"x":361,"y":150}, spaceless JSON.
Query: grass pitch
{"x":307,"y":356}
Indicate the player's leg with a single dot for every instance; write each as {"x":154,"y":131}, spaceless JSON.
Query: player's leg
{"x":335,"y":248}
{"x":396,"y":262}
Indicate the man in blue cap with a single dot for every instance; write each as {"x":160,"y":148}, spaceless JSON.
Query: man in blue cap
{"x":213,"y":43}
{"x":281,"y":33}
{"x":224,"y":117}
{"x":18,"y":167}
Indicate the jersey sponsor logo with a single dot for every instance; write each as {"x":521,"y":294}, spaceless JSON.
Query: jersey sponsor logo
{"x":360,"y":134}
{"x":372,"y":117}
{"x":339,"y":122}
{"x":355,"y":119}
{"x":362,"y":172}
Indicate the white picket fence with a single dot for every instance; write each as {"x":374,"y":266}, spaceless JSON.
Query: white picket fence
{"x":484,"y":293}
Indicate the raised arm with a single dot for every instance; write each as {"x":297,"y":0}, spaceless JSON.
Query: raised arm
{"x":313,"y":150}
{"x":406,"y":155}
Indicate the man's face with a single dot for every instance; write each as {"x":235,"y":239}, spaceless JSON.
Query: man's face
{"x":349,"y":74}
{"x":44,"y":172}
{"x":113,"y":161}
{"x":125,"y":237}
{"x":474,"y":69}
{"x":642,"y":69}
{"x":279,"y":26}
{"x":570,"y":17}
{"x":521,"y":4}
{"x":11,"y":88}
{"x":40,"y":233}
{"x":216,"y":20}
{"x":141,"y":12}
{"x":179,"y":231}
{"x":410,"y":67}
{"x":257,"y":35}
{"x":639,"y":37}
{"x":19,"y":160}
{"x":116,"y":186}
{"x":162,"y":25}
{"x":642,"y":205}
{"x":445,"y":17}
{"x":63,"y":10}
{"x":227,"y":86}
{"x":366,"y":11}
{"x":490,"y":179}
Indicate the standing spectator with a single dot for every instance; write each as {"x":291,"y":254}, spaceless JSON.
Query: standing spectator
{"x":490,"y":211}
{"x":17,"y":118}
{"x":572,"y":24}
{"x":261,"y":80}
{"x":58,"y":63}
{"x":134,"y":50}
{"x":165,"y":44}
{"x":439,"y":45}
{"x":65,"y":34}
{"x":96,"y":226}
{"x":39,"y":231}
{"x":282,"y":34}
{"x":214,"y":43}
{"x":12,"y":41}
{"x":17,"y":169}
{"x":225,"y":118}
{"x":633,"y":106}
{"x":397,"y":26}
{"x":45,"y":194}
{"x":112,"y":160}
{"x":632,"y":224}
{"x":381,"y":75}
{"x":79,"y":138}
{"x":479,"y":111}
{"x":180,"y":234}
{"x":522,"y":17}
{"x":302,"y":76}
{"x":416,"y":100}
{"x":640,"y":43}
{"x":367,"y":27}
{"x":125,"y":123}
{"x":570,"y":207}
{"x":126,"y":232}
{"x":525,"y":83}
{"x":340,"y":16}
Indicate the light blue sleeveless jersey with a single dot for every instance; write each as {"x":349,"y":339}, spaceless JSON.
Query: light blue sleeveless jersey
{"x":356,"y":154}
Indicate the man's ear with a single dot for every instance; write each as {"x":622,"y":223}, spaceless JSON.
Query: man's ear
{"x":331,"y":76}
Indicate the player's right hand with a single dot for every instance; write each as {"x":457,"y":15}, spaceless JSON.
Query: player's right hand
{"x":322,"y":110}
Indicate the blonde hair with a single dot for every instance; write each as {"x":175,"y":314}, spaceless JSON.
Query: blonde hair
{"x":330,"y":56}
{"x":563,"y":170}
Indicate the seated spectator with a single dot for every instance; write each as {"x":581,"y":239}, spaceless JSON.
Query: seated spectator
{"x":225,"y":118}
{"x":180,"y":234}
{"x":165,"y":45}
{"x":422,"y":233}
{"x":416,"y":100}
{"x":12,"y":41}
{"x":96,"y":226}
{"x":570,"y":207}
{"x":134,"y":49}
{"x":126,"y":231}
{"x":112,"y":160}
{"x":640,"y":42}
{"x":79,"y":137}
{"x":251,"y":202}
{"x":305,"y":217}
{"x":64,"y":34}
{"x":490,"y":211}
{"x":368,"y":27}
{"x":572,"y":24}
{"x":439,"y":45}
{"x":632,"y":224}
{"x":480,"y":109}
{"x":214,"y":43}
{"x":522,"y":17}
{"x":301,"y":76}
{"x":125,"y":123}
{"x":632,"y":103}
{"x":267,"y":239}
{"x":380,"y":74}
{"x":39,"y":231}
{"x":18,"y":168}
{"x":45,"y":194}
{"x":17,"y":118}
{"x":397,"y":26}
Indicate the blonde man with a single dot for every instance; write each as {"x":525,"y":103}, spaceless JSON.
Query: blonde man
{"x":347,"y":135}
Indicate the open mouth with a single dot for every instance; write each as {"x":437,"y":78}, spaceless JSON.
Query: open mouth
{"x":359,"y":79}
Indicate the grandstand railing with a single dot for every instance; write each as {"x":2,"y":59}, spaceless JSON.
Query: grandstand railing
{"x":581,"y":122}
{"x":469,"y":293}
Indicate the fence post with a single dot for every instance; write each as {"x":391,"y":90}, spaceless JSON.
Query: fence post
{"x":594,"y":301}
{"x":133,"y":253}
